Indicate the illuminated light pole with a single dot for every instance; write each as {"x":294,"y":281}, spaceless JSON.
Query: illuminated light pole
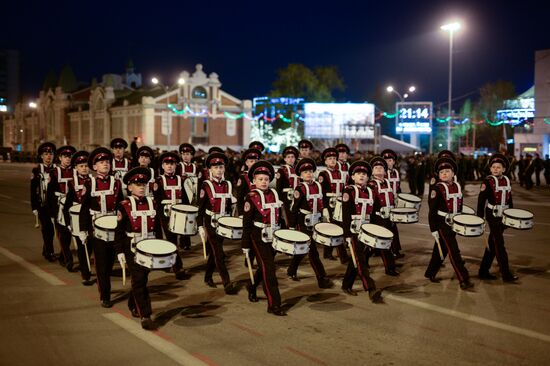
{"x":391,"y":89}
{"x":156,"y":81}
{"x":451,"y":28}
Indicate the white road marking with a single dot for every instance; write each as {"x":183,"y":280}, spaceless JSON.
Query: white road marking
{"x":27,"y":202}
{"x":6,"y":196}
{"x":472,"y":318}
{"x":48,"y":277}
{"x":179,"y":355}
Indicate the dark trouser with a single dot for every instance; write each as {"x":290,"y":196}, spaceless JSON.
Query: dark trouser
{"x":495,"y":248}
{"x":537,"y":177}
{"x":396,"y":243}
{"x":547,"y":177}
{"x":172,"y":238}
{"x":104,"y":260}
{"x":412,"y":185}
{"x":449,"y":245}
{"x":139,"y":296}
{"x":358,"y":251}
{"x":314,"y":260}
{"x":46,"y":226}
{"x":385,"y":254}
{"x":185,"y":241}
{"x":64,"y":236}
{"x":85,"y":272}
{"x":216,"y":256}
{"x":420,"y":186}
{"x":266,"y":269}
{"x":528,"y":181}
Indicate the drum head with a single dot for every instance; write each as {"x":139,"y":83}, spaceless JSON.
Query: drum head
{"x":409,"y":197}
{"x":185,"y":208}
{"x":403,"y":210}
{"x":377,"y":231}
{"x":75,"y":208}
{"x":329,"y":229}
{"x":106,"y":222}
{"x":518,"y":213}
{"x":468,"y":220}
{"x":156,"y":247}
{"x":291,"y":235}
{"x":468,"y":210}
{"x":230,"y":221}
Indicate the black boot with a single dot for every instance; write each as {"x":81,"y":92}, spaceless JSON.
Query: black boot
{"x":252,"y":297}
{"x":276,"y":310}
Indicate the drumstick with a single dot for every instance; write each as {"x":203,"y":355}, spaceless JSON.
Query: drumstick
{"x":85,"y":243}
{"x":440,"y":250}
{"x":352,"y":254}
{"x":36,"y":222}
{"x":123,"y":274}
{"x":249,"y":265}
{"x":203,"y":239}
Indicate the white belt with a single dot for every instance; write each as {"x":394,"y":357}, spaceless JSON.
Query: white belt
{"x":59,"y":194}
{"x":305,"y":212}
{"x":492,"y":207}
{"x":96,"y":214}
{"x":261,"y":225}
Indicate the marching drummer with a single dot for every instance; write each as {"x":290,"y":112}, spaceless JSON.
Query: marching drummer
{"x":205,"y":171}
{"x":144,"y":156}
{"x":79,"y":163}
{"x":262,"y":216}
{"x":39,"y":204}
{"x":215,"y":202}
{"x":257,"y":145}
{"x":137,"y":219}
{"x":357,"y":206}
{"x":384,"y":201}
{"x":287,"y":180}
{"x":102,"y":193}
{"x":332,"y":183}
{"x":395,"y":182}
{"x":58,"y":187}
{"x":304,"y":214}
{"x":496,"y":191}
{"x":120,"y":164}
{"x":306,"y":148}
{"x":244,"y":184}
{"x":343,"y":165}
{"x":186,"y":168}
{"x":445,"y":201}
{"x":169,"y":191}
{"x":435,"y":177}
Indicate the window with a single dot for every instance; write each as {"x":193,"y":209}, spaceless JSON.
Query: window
{"x":199,"y":92}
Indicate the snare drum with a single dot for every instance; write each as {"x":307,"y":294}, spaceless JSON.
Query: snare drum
{"x":230,"y":227}
{"x":104,"y":227}
{"x":60,"y":216}
{"x":468,"y":210}
{"x":337,"y":214}
{"x":468,"y":225}
{"x":155,"y":254}
{"x":404,"y":215}
{"x":290,"y":242}
{"x":517,"y":218}
{"x":328,"y":234}
{"x":408,"y":201}
{"x":75,"y":219}
{"x":375,"y":236}
{"x":183,"y":219}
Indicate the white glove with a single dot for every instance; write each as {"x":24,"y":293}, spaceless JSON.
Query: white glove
{"x":202,"y":233}
{"x":35,"y":212}
{"x":53,"y":220}
{"x":246,"y":251}
{"x":82,"y":236}
{"x":121,"y":258}
{"x":326,"y":215}
{"x":348,"y":241}
{"x":69,"y":228}
{"x":435,"y":234}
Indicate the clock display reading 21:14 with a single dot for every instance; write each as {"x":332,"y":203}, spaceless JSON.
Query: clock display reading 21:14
{"x":414,"y":113}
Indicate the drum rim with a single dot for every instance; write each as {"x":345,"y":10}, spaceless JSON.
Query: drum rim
{"x":518,"y":218}
{"x":288,"y":240}
{"x":376,"y":236}
{"x":403,"y":210}
{"x":103,"y":228}
{"x":141,"y":251}
{"x":408,"y":200}
{"x":74,"y":211}
{"x":230,"y":227}
{"x":327,"y":235}
{"x":466,"y":224}
{"x":174,"y":208}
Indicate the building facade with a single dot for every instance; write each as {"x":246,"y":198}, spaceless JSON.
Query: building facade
{"x":196,"y":110}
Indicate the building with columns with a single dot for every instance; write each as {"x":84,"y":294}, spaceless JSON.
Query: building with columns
{"x":194,"y":110}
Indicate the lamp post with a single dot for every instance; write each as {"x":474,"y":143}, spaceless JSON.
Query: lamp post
{"x":451,"y":28}
{"x":181,"y":82}
{"x":391,"y":89}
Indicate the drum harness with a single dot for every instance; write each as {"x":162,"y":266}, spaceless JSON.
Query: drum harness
{"x":120,"y":172}
{"x":172,"y":200}
{"x":223,"y":197}
{"x":394,"y":181}
{"x":44,"y":180}
{"x":268,"y":229}
{"x":358,"y":220}
{"x":102,"y":199}
{"x":498,"y":209}
{"x":291,"y":176}
{"x":339,"y":184}
{"x":143,"y":215}
{"x":312,"y":217}
{"x":343,"y":172}
{"x":455,"y":197}
{"x":193,"y":179}
{"x":152,"y":180}
{"x":385,"y":211}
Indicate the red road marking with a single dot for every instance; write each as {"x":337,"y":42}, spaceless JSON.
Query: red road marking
{"x":203,"y":358}
{"x":305,"y":355}
{"x":246,"y":329}
{"x":500,"y":350}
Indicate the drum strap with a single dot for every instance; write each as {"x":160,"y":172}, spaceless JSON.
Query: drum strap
{"x":172,"y":189}
{"x":314,"y":197}
{"x":147,"y":193}
{"x":142,"y":214}
{"x":503,"y":189}
{"x":454,"y":196}
{"x":44,"y":180}
{"x":122,"y":170}
{"x":62,"y":180}
{"x":338,"y":182}
{"x":189,"y":174}
{"x":78,"y":187}
{"x":292,"y":177}
{"x":385,"y":191}
{"x":102,"y":194}
{"x":343,"y":172}
{"x":364,"y":202}
{"x":222,"y":196}
{"x":270,"y":206}
{"x":393,"y":180}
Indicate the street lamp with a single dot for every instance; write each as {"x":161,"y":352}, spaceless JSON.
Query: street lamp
{"x":156,"y":81}
{"x":391,"y":89}
{"x":32,"y":105}
{"x":451,"y":28}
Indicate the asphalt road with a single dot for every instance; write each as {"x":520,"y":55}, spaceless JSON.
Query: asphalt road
{"x":48,"y":318}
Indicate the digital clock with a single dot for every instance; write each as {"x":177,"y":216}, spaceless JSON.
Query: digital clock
{"x":413,"y":117}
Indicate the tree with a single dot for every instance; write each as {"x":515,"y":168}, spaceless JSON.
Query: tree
{"x":67,"y":80}
{"x":50,"y":82}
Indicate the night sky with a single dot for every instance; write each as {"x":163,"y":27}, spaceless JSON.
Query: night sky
{"x":245,"y":42}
